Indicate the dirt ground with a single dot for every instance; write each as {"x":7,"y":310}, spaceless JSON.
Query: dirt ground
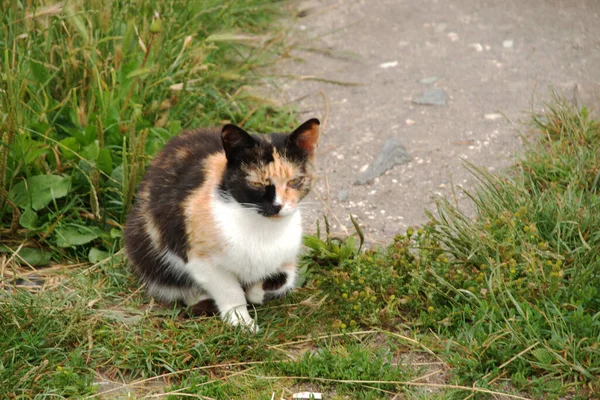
{"x":362,"y":66}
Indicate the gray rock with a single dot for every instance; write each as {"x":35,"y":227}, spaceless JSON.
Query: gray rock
{"x":431,"y":97}
{"x":343,"y":195}
{"x":393,"y":153}
{"x":429,"y":80}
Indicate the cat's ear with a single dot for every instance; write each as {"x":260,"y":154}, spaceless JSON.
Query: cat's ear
{"x":306,"y":137}
{"x":235,"y":140}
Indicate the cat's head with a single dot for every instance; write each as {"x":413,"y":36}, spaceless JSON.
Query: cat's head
{"x":269,"y":173}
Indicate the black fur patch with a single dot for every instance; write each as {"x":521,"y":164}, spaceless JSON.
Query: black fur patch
{"x":171,"y":180}
{"x":142,"y":254}
{"x":252,"y":150}
{"x":275,"y":281}
{"x":203,"y":308}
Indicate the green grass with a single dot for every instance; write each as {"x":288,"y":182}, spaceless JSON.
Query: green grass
{"x":506,"y":302}
{"x":91,"y":90}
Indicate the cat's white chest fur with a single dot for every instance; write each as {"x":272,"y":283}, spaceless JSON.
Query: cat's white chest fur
{"x":254,"y":246}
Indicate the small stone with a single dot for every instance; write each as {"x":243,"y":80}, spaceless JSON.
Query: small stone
{"x":343,"y":195}
{"x":492,"y":116}
{"x":390,"y":64}
{"x":307,"y":395}
{"x":392,"y":153}
{"x":431,"y":97}
{"x":453,"y":36}
{"x":477,"y":46}
{"x":409,"y":122}
{"x":508,"y":44}
{"x":429,"y":80}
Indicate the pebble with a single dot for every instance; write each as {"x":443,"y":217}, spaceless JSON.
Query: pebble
{"x":477,"y":46}
{"x":343,"y":195}
{"x":389,"y":64}
{"x":392,"y":153}
{"x":431,"y":97}
{"x":508,"y":44}
{"x":492,"y":116}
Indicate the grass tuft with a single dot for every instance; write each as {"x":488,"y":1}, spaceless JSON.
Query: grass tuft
{"x":90,"y":91}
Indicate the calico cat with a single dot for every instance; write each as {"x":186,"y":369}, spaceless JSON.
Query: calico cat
{"x":216,"y":219}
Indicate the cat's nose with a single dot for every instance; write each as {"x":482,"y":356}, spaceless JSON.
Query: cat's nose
{"x":276,"y":208}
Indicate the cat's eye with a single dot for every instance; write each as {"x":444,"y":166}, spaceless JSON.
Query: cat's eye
{"x":296,"y":182}
{"x":257,"y":185}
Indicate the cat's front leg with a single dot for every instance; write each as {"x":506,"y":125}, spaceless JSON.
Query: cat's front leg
{"x":225,"y":290}
{"x":274,"y":286}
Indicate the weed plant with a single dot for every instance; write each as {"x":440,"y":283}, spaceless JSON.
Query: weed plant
{"x":516,"y":291}
{"x":91,"y":90}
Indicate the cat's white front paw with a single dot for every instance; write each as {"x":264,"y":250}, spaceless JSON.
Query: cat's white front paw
{"x":239,"y":316}
{"x":255,"y":294}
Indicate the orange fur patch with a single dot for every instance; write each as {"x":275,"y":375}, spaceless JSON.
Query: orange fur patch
{"x":151,"y":229}
{"x":278,"y":173}
{"x":202,"y":233}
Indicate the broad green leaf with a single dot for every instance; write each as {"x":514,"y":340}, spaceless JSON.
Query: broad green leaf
{"x":314,"y":243}
{"x":117,"y":177}
{"x":32,"y":256}
{"x":543,"y":356}
{"x":97,"y":255}
{"x":69,"y":148}
{"x":38,"y":191}
{"x":29,"y":219}
{"x":105,"y":161}
{"x":116,"y":233}
{"x":34,"y":152}
{"x":91,"y":133}
{"x":75,"y":132}
{"x":86,"y":166}
{"x":91,"y":151}
{"x":301,"y":277}
{"x":71,"y":235}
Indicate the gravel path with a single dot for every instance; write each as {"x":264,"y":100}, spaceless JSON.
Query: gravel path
{"x":423,"y":85}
